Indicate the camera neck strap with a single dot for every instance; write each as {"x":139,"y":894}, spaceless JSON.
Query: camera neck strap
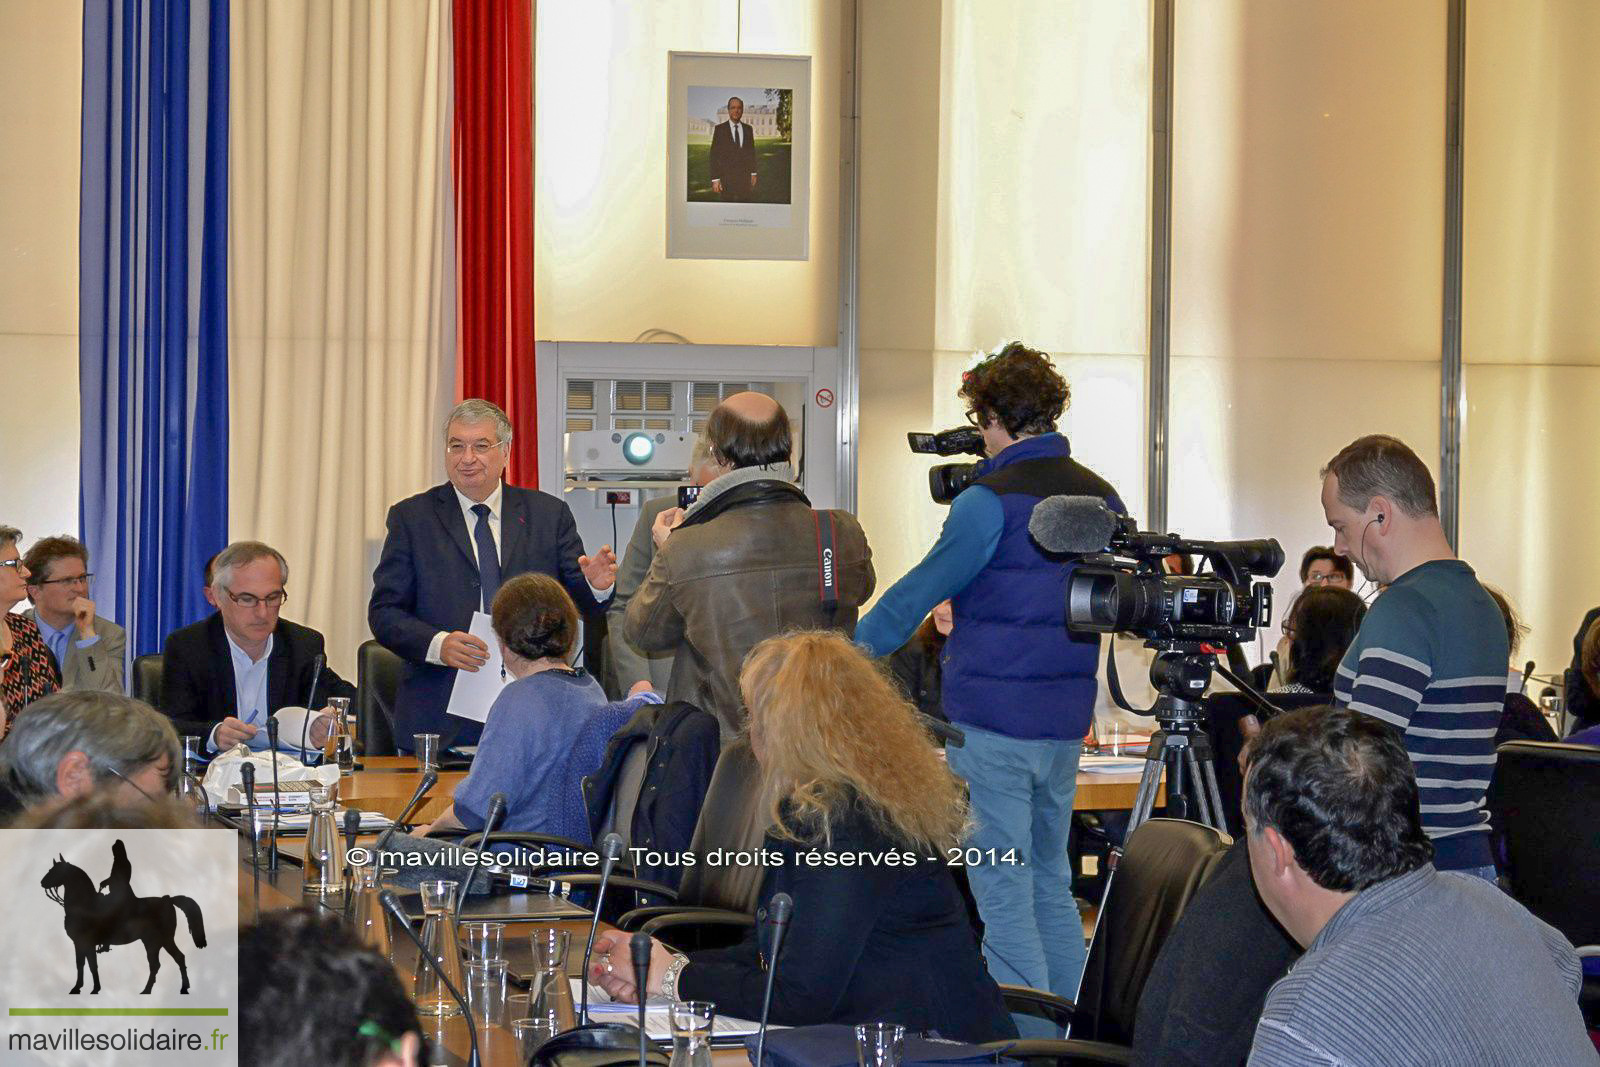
{"x":827,"y":565}
{"x":1114,"y":683}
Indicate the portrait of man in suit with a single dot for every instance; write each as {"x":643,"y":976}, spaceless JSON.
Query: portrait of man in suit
{"x":446,"y":553}
{"x":733,"y":155}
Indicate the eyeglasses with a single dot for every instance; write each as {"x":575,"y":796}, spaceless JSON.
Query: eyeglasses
{"x":478,"y":448}
{"x":975,"y":419}
{"x":1324,"y":579}
{"x":250,"y":600}
{"x":74,"y":580}
{"x":14,"y":564}
{"x":131,"y":782}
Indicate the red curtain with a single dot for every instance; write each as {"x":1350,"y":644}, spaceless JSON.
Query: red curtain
{"x":493,"y":161}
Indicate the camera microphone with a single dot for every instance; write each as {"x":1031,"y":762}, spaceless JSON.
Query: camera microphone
{"x":1076,"y":525}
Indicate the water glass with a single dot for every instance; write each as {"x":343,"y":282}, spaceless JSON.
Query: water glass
{"x":439,"y":941}
{"x":533,"y":1032}
{"x":880,"y":1044}
{"x":427,"y":750}
{"x":483,"y":941}
{"x":486,"y":991}
{"x":264,"y":834}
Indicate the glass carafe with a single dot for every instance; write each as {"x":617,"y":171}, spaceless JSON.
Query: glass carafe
{"x":191,"y":790}
{"x":368,"y":915}
{"x":439,"y":942}
{"x":552,"y":992}
{"x":691,"y":1032}
{"x":324,"y":869}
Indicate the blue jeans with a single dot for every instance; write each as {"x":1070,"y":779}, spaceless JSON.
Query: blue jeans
{"x":1022,"y":804}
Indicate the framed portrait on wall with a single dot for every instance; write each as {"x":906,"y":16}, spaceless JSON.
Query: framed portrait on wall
{"x":738,"y":156}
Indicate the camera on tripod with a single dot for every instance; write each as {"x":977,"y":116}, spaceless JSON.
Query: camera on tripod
{"x":946,"y":480}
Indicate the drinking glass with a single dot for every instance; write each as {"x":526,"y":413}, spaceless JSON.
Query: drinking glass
{"x":880,"y":1044}
{"x":692,"y":1022}
{"x":533,"y":1032}
{"x":486,"y":991}
{"x":439,"y":941}
{"x":484,"y":941}
{"x":427,"y":750}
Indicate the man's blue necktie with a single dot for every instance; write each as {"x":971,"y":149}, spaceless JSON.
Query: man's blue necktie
{"x":488,"y":558}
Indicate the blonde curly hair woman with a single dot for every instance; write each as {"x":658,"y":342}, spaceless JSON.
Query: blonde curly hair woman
{"x":865,"y":820}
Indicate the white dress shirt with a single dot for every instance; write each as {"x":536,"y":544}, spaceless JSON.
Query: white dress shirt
{"x":436,"y":646}
{"x":250,"y":687}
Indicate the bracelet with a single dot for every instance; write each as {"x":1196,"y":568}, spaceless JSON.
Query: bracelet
{"x":669,"y":980}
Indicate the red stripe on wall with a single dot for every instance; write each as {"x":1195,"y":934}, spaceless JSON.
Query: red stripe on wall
{"x":493,"y":158}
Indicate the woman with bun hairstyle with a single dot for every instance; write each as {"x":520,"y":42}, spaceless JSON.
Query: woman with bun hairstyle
{"x":549,"y":726}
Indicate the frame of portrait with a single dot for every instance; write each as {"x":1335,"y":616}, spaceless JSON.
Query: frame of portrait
{"x":738,"y":156}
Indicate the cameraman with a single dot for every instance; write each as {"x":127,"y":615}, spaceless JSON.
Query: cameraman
{"x":1020,"y":686}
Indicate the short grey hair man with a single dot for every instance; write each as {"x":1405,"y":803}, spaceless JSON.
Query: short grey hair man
{"x":9,"y":535}
{"x":237,"y":555}
{"x":75,"y":742}
{"x":475,"y":410}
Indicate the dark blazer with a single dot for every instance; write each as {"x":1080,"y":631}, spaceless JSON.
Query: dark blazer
{"x":868,"y":943}
{"x":197,"y":686}
{"x":733,"y":164}
{"x":427,"y":581}
{"x":1583,"y":703}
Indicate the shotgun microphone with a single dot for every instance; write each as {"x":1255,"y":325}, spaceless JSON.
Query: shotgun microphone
{"x":277,"y":796}
{"x":391,"y":904}
{"x":429,"y":778}
{"x":610,"y":852}
{"x":491,"y":822}
{"x":639,"y":948}
{"x":248,"y":777}
{"x":311,"y":696}
{"x":779,"y":911}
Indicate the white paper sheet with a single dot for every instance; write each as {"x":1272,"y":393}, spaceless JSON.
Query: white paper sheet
{"x":474,"y":692}
{"x":656,"y":1022}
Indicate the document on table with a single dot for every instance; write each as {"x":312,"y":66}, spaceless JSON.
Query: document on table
{"x":656,"y":1024}
{"x":1110,"y":764}
{"x":474,"y":692}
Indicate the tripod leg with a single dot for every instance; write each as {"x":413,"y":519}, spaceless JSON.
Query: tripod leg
{"x":1149,"y":781}
{"x":1177,"y":784}
{"x":1208,"y":767}
{"x":1197,"y":782}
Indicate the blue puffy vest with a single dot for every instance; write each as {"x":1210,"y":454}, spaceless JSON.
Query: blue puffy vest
{"x":1010,"y":665}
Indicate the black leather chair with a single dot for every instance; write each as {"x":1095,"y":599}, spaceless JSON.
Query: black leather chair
{"x":1165,"y":862}
{"x":377,"y":681}
{"x":145,"y":684}
{"x":1542,"y":803}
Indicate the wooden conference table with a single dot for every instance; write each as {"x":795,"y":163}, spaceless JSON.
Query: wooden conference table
{"x":386,"y":783}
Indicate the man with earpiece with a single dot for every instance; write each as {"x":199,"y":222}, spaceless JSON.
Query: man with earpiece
{"x":1430,"y":656}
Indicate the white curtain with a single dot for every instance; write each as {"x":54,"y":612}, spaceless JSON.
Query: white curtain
{"x":341,"y":281}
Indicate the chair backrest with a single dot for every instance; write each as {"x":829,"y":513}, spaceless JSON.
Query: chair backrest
{"x":146,"y":682}
{"x":732,"y":819}
{"x":1166,"y":860}
{"x":377,"y":681}
{"x":1223,"y":711}
{"x":1544,"y":799}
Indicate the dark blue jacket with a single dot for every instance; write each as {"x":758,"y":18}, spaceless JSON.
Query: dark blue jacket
{"x":1010,"y":665}
{"x":427,"y":581}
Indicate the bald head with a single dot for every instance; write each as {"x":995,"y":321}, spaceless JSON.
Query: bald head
{"x":749,"y":430}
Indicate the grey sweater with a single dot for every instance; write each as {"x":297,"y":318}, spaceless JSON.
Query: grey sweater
{"x":1428,"y":968}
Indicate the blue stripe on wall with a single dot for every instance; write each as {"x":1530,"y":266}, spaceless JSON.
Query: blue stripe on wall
{"x":153,"y":283}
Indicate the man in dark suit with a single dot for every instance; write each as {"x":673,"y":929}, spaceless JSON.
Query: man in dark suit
{"x":223,"y":676}
{"x":733,"y":155}
{"x":446,"y":553}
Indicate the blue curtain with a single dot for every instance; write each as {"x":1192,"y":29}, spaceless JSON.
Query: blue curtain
{"x":153,"y":289}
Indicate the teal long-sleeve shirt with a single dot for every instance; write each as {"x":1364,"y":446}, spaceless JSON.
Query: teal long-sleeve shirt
{"x":966,"y":545}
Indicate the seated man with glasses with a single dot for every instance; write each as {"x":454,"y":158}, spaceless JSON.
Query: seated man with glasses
{"x":88,"y":647}
{"x":223,"y":676}
{"x":75,"y":744}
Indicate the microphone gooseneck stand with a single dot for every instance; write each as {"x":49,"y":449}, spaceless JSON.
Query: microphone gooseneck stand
{"x":277,"y":796}
{"x":491,"y":822}
{"x":779,"y":911}
{"x":248,"y":778}
{"x":430,"y":778}
{"x":391,"y":904}
{"x":639,"y":948}
{"x":610,"y":852}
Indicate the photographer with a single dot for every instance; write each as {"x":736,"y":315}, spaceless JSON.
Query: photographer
{"x":1020,"y":686}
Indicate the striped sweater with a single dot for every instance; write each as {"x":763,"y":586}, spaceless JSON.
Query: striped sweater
{"x":1430,"y":660}
{"x":1428,"y":968}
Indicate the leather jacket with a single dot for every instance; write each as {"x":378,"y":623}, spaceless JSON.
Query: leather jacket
{"x":743,"y":566}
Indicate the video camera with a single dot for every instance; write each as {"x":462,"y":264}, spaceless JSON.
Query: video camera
{"x":946,"y":480}
{"x":1121,"y":588}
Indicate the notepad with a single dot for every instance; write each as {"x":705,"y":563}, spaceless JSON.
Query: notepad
{"x":657,"y":1026}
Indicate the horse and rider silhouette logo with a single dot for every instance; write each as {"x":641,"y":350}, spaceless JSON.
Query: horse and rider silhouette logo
{"x":96,"y":920}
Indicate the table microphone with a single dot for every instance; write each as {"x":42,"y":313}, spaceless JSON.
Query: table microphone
{"x":639,"y":946}
{"x":491,"y":822}
{"x":391,"y":904}
{"x":430,"y":778}
{"x":779,"y":911}
{"x":311,"y":696}
{"x":248,"y":773}
{"x":610,"y":852}
{"x":277,"y":796}
{"x":352,"y":826}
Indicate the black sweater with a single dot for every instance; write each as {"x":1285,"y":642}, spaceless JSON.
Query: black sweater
{"x":869,"y":943}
